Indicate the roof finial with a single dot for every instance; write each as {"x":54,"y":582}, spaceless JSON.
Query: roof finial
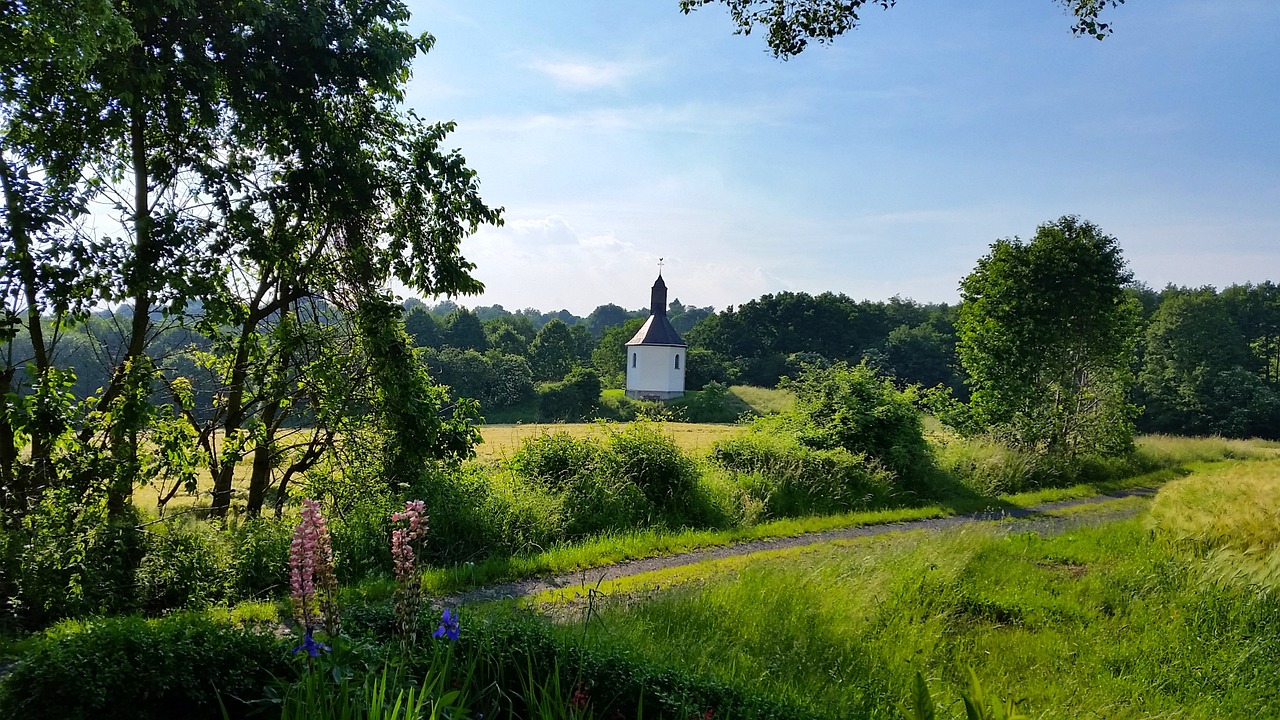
{"x":659,"y":267}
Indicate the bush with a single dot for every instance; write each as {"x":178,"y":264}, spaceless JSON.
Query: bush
{"x":853,"y":408}
{"x":644,"y":455}
{"x":186,"y":566}
{"x":178,"y":666}
{"x":791,"y":479}
{"x":521,"y":515}
{"x":68,"y":560}
{"x":603,"y":501}
{"x":574,"y":398}
{"x":555,"y":459}
{"x":261,"y":557}
{"x":594,"y":493}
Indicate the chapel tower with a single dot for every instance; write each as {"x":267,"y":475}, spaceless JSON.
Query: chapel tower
{"x":656,"y":356}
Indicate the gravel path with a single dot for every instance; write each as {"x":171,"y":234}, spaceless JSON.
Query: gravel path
{"x":1029,"y":519}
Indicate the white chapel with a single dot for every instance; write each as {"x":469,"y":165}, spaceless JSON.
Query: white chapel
{"x":656,"y":355}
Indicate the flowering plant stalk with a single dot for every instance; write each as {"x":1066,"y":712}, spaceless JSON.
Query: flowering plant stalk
{"x":312,"y":582}
{"x":405,"y":559}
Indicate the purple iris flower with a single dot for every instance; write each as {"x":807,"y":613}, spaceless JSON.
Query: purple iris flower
{"x":310,"y":645}
{"x":448,"y":626}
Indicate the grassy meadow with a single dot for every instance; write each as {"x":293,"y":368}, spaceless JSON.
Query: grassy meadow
{"x":502,"y":441}
{"x":1172,"y":614}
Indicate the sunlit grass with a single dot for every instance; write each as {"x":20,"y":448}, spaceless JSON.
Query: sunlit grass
{"x":764,"y":401}
{"x":1106,"y":621}
{"x":501,"y":441}
{"x":1230,"y":514}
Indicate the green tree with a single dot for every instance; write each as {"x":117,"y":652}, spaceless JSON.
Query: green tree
{"x":553,"y":352}
{"x":263,"y":176}
{"x":1046,"y":335}
{"x":920,"y":355}
{"x":790,"y":25}
{"x":463,"y":330}
{"x":1195,"y":370}
{"x":510,"y":334}
{"x":1255,"y":309}
{"x":610,"y":356}
{"x":423,"y":328}
{"x":854,"y":408}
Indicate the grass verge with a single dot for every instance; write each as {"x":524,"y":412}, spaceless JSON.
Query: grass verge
{"x":1105,"y":621}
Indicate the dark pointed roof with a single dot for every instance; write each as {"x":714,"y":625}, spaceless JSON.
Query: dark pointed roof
{"x":657,"y":330}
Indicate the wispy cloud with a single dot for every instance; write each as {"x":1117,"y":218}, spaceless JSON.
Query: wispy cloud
{"x":581,"y":75}
{"x":685,"y":118}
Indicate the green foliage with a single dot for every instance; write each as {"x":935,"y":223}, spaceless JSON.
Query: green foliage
{"x":651,"y":460}
{"x":855,"y":409}
{"x":573,"y":399}
{"x":595,"y":492}
{"x":179,"y":666}
{"x":610,"y":356}
{"x":463,"y":330}
{"x":919,"y":355}
{"x":790,"y":25}
{"x":556,"y":459}
{"x":1195,"y":373}
{"x":712,"y":404}
{"x":496,"y":381}
{"x":69,"y":560}
{"x":1046,"y":336}
{"x":553,"y":352}
{"x":260,"y":557}
{"x":791,"y":479}
{"x":186,"y":565}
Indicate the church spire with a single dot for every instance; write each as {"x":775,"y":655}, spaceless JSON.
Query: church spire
{"x":658,"y":297}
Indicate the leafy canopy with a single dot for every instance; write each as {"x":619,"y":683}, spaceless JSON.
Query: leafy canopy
{"x":791,"y":24}
{"x":1046,"y":335}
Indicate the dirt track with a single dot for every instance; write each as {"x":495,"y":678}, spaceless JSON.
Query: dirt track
{"x":1029,"y":519}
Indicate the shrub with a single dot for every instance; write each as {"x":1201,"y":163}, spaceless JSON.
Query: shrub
{"x":584,"y":475}
{"x":852,"y":407}
{"x":186,"y":566}
{"x":644,"y":455}
{"x":791,"y":479}
{"x":602,"y":501}
{"x":574,"y":398}
{"x":69,"y":560}
{"x":555,"y":459}
{"x":260,"y":557}
{"x":178,"y":666}
{"x":521,"y":515}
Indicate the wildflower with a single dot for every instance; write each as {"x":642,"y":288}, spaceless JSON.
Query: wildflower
{"x":402,"y":539}
{"x":312,"y":582}
{"x":448,"y":626}
{"x":310,"y":645}
{"x":579,"y":699}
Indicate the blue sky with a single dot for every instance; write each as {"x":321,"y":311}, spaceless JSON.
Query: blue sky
{"x":615,"y":133}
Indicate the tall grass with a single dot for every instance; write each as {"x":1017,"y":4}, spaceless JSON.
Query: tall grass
{"x":1102,"y":622}
{"x":1229,"y":516}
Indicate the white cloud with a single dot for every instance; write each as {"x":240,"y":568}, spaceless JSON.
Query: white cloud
{"x":547,"y":263}
{"x":577,"y":75}
{"x":690,"y":118}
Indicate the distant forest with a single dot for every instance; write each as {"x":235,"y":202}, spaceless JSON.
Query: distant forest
{"x":1207,"y":361}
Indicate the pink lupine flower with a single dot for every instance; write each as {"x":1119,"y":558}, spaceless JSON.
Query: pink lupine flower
{"x":312,"y":582}
{"x":408,"y":590}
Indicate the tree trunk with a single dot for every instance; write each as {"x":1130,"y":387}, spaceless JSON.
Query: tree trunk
{"x":19,"y":233}
{"x":145,"y":257}
{"x":261,"y":478}
{"x":12,"y":497}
